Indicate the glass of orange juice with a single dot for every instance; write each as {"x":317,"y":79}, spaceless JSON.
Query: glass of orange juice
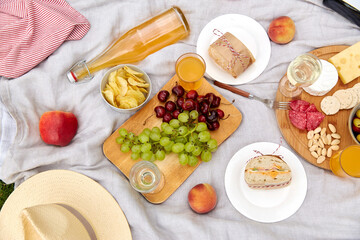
{"x":190,"y":69}
{"x":346,"y":162}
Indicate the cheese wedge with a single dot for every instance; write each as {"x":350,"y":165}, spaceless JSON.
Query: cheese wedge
{"x":347,"y":63}
{"x":326,"y":81}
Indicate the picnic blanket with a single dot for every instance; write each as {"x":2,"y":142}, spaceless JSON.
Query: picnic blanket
{"x":330,"y":209}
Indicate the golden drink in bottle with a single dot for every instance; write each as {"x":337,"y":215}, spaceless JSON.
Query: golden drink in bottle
{"x":190,"y":69}
{"x":346,"y":162}
{"x":135,"y":45}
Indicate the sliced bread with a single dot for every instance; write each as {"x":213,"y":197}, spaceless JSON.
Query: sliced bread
{"x":267,"y":172}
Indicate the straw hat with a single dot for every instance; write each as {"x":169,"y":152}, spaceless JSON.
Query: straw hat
{"x":65,"y":203}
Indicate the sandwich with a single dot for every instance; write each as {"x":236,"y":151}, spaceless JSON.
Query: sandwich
{"x":231,"y":54}
{"x":267,"y":172}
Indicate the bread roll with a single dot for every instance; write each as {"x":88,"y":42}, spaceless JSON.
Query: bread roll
{"x":267,"y":172}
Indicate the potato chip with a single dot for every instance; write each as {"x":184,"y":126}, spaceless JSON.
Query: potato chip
{"x":126,"y":102}
{"x":109,"y":96}
{"x":139,"y":96}
{"x":115,"y":88}
{"x":121,"y":72}
{"x":133,"y":72}
{"x":123,"y":85}
{"x":107,"y":87}
{"x":132,"y":81}
{"x":140,"y":80}
{"x":144,"y":85}
{"x":143,"y":90}
{"x":112,"y":77}
{"x":125,"y":88}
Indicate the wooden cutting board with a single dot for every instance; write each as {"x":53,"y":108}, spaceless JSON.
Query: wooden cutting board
{"x":297,"y":138}
{"x":175,"y":174}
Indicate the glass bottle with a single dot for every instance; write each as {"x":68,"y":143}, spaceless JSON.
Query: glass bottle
{"x":160,"y":31}
{"x":349,"y":9}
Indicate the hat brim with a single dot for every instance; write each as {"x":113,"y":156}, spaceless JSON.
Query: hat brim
{"x":66,"y":187}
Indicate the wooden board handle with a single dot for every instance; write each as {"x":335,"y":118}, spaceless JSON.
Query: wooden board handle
{"x":232,"y":89}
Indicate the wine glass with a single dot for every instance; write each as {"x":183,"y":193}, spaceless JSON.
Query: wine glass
{"x":146,"y":177}
{"x":303,"y":71}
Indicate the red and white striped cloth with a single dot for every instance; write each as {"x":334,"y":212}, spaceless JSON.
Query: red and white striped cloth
{"x":30,"y":30}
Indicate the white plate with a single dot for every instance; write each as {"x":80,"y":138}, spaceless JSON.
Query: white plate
{"x":248,"y":31}
{"x":265,"y":205}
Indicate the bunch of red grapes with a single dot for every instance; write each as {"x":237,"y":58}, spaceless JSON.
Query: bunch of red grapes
{"x":206,"y":106}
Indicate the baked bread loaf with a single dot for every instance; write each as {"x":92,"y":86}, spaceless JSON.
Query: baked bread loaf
{"x":231,"y":54}
{"x":267,"y":172}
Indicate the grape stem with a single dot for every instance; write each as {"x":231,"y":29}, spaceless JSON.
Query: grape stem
{"x":232,"y":102}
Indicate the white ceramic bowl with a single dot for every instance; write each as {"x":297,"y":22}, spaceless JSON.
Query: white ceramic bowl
{"x":104,"y":80}
{"x":351,"y":116}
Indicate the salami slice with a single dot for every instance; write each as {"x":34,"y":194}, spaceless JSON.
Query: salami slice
{"x":299,"y":105}
{"x":311,"y":108}
{"x":298,"y":119}
{"x":313,"y":120}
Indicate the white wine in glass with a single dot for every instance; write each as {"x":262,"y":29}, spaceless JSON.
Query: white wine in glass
{"x":303,"y":71}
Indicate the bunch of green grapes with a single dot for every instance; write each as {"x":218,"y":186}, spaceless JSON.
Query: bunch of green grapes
{"x":184,"y":136}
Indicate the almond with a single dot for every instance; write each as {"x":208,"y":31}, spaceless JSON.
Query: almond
{"x":314,"y":154}
{"x":324,"y":139}
{"x":328,"y":137}
{"x":310,"y":143}
{"x":323,"y":152}
{"x":318,"y":151}
{"x":317,"y":130}
{"x":332,"y":128}
{"x":336,"y":135}
{"x":316,"y":136}
{"x":320,"y":159}
{"x":323,"y":132}
{"x":310,"y":134}
{"x":335,"y":147}
{"x":329,"y":152}
{"x":313,"y":148}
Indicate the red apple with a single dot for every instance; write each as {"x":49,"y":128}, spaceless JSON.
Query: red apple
{"x":57,"y":127}
{"x":281,"y":30}
{"x":202,"y":198}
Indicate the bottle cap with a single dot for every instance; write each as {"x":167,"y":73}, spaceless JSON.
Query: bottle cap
{"x":79,"y":66}
{"x":71,"y":77}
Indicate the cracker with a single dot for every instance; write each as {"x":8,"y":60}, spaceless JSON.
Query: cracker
{"x":355,"y":98}
{"x":330,"y":105}
{"x":356,"y":85}
{"x":357,"y":90}
{"x":344,"y":97}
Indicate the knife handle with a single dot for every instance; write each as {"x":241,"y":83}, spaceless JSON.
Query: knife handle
{"x":232,"y":89}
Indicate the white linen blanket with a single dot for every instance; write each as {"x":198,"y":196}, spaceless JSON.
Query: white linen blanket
{"x":331,"y":207}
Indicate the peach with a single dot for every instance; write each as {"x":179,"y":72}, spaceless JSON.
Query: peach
{"x":202,"y":198}
{"x":281,"y":30}
{"x":57,"y":127}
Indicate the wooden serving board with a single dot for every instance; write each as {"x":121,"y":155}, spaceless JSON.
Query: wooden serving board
{"x":175,"y":174}
{"x":297,"y":138}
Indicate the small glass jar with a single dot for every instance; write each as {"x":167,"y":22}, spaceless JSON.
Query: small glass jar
{"x":145,"y":177}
